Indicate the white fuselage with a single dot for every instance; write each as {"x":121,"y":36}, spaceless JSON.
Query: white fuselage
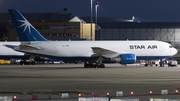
{"x":144,"y":50}
{"x":6,"y":52}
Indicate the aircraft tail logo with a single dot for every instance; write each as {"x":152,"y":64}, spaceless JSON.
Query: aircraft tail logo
{"x":25,"y":31}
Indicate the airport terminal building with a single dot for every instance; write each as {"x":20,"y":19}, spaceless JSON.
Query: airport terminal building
{"x":53,"y":26}
{"x":75,"y":29}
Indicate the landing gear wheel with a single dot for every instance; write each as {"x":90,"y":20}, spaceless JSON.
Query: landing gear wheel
{"x":102,"y":65}
{"x":92,"y":65}
{"x":89,"y":65}
{"x":99,"y":65}
{"x":86,"y":65}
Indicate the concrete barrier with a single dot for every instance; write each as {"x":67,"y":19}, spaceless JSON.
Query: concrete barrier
{"x":65,"y":95}
{"x":5,"y":98}
{"x":164,"y":92}
{"x":93,"y":99}
{"x":125,"y":99}
{"x":163,"y":99}
{"x":34,"y":97}
{"x":119,"y":93}
{"x":94,"y":94}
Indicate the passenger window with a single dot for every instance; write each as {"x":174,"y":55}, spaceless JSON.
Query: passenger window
{"x":170,"y":46}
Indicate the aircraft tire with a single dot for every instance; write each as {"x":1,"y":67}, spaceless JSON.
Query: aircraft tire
{"x":102,"y":65}
{"x":92,"y":65}
{"x":86,"y":66}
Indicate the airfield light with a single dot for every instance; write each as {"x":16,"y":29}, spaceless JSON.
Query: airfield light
{"x":79,"y":95}
{"x":176,"y":91}
{"x":107,"y":94}
{"x":133,"y":18}
{"x":15,"y":97}
{"x":138,"y":21}
{"x":132,"y":93}
{"x":150,"y":92}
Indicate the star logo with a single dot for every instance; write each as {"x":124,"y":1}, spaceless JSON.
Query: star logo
{"x":26,"y":24}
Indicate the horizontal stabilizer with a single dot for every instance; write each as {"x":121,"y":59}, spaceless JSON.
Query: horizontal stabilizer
{"x":29,"y":47}
{"x":11,"y":46}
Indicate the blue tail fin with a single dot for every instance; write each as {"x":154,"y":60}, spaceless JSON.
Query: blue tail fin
{"x":25,"y":31}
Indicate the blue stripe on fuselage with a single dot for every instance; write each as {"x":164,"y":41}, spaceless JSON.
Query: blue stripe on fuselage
{"x":10,"y":56}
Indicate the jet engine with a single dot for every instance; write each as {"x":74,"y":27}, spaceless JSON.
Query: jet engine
{"x":125,"y":59}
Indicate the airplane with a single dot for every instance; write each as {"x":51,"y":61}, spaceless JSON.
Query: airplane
{"x":91,"y":52}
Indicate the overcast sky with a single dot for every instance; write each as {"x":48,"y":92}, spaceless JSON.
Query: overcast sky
{"x":143,"y":10}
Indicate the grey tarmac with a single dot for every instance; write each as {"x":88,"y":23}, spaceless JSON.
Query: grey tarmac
{"x":73,"y":78}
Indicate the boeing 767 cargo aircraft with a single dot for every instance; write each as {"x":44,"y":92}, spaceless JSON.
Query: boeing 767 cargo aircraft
{"x":92,"y":52}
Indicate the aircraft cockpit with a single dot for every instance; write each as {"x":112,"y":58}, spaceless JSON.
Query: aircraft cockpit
{"x":170,"y":46}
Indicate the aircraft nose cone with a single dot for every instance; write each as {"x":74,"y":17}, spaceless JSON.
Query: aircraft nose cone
{"x":175,"y":51}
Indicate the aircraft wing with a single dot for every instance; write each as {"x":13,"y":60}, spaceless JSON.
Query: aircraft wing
{"x":98,"y":51}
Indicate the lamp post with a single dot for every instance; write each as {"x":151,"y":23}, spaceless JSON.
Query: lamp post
{"x":91,"y":20}
{"x":97,"y":4}
{"x":133,"y":18}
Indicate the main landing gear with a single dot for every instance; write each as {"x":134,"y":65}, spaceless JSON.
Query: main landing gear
{"x":98,"y":64}
{"x":92,"y":65}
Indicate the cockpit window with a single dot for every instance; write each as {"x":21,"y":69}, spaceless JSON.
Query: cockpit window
{"x":170,"y":46}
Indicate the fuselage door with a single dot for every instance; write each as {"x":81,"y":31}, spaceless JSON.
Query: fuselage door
{"x":161,"y":49}
{"x":55,"y":50}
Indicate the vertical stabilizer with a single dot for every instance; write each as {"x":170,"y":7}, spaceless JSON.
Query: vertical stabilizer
{"x":26,"y":32}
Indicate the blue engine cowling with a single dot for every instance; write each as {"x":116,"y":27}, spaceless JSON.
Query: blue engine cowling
{"x":128,"y":58}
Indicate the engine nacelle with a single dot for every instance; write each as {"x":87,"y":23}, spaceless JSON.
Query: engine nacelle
{"x":118,"y":60}
{"x":125,"y":59}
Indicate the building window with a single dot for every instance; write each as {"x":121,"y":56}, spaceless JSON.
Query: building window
{"x":72,"y":27}
{"x":61,"y":27}
{"x":56,"y":27}
{"x":64,"y":35}
{"x":38,"y":27}
{"x":54,"y":34}
{"x":46,"y":27}
{"x":59,"y":35}
{"x":75,"y":35}
{"x":69,"y":35}
{"x":46,"y":34}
